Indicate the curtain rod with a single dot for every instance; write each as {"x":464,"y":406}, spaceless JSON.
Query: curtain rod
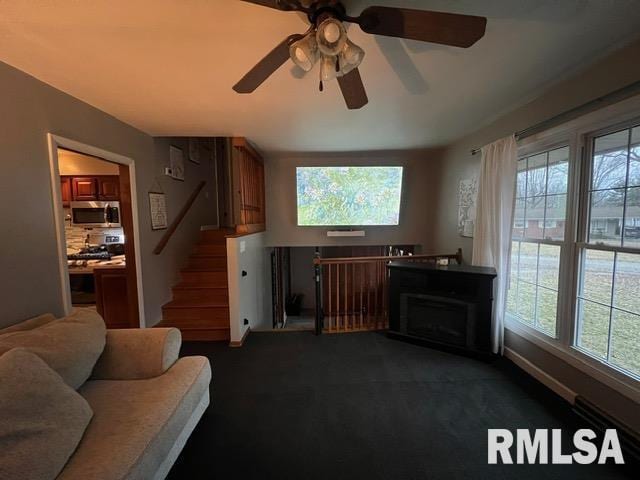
{"x":600,"y":102}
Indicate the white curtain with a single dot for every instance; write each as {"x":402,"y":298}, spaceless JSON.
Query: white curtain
{"x":494,"y":217}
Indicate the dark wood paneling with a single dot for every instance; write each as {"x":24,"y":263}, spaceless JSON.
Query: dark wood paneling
{"x":126,"y":214}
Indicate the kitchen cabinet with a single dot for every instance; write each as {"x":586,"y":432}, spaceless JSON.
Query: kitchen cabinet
{"x":112,"y":299}
{"x":65,"y":188}
{"x":88,"y":189}
{"x":109,"y":188}
{"x":84,"y":189}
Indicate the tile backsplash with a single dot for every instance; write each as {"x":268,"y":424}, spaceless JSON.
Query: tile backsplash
{"x":76,"y":236}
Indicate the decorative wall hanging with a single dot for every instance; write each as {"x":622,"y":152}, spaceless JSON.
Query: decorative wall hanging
{"x":467,"y":194}
{"x":176,"y":162}
{"x":158,"y":207}
{"x":194,"y":150}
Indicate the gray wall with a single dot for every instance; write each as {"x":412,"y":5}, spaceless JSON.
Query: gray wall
{"x":28,"y":254}
{"x":418,"y":199}
{"x":456,"y":163}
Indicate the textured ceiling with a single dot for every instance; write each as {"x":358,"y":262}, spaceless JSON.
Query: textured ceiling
{"x":167,"y":67}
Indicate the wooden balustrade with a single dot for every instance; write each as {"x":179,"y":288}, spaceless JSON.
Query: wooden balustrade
{"x":249,"y":181}
{"x":351,"y":293}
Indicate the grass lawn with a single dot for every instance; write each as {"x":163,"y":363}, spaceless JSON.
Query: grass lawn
{"x":608,"y":300}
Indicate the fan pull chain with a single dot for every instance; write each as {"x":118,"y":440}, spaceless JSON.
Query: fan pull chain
{"x":321,"y":86}
{"x":338,"y":64}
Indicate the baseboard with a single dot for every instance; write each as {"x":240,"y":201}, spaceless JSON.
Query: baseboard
{"x":542,"y":376}
{"x":237,"y":344}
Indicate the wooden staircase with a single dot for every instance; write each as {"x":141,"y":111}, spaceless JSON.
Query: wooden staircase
{"x":200,"y":304}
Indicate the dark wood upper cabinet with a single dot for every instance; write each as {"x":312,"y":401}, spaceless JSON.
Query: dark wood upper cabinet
{"x":84,"y":188}
{"x":65,"y":189}
{"x":87,"y":189}
{"x":109,"y":188}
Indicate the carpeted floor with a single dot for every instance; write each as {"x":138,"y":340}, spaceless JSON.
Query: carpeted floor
{"x":361,"y":406}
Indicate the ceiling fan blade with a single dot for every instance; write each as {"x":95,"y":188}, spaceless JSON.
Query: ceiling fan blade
{"x":267,"y":66}
{"x":427,"y":26}
{"x":353,"y":90}
{"x":277,"y":4}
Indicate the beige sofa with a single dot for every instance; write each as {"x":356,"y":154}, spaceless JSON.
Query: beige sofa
{"x":145,"y":401}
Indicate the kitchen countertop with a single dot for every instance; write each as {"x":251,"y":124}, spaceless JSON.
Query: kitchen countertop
{"x":84,"y":267}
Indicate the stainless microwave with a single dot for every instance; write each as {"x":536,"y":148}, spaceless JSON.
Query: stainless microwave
{"x":95,"y":214}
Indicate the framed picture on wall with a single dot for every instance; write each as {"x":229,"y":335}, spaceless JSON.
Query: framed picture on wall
{"x":158,"y":207}
{"x":176,"y":162}
{"x":194,"y":150}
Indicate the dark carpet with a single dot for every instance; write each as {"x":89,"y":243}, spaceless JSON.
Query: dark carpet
{"x":362,"y":406}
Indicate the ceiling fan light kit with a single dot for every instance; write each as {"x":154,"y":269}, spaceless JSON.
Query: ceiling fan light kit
{"x":304,"y":53}
{"x":327,"y":41}
{"x":331,"y":36}
{"x":351,"y":57}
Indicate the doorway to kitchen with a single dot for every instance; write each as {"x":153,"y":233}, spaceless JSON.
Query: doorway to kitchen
{"x":96,"y":227}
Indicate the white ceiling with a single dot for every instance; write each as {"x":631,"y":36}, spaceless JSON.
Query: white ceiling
{"x":167,"y":67}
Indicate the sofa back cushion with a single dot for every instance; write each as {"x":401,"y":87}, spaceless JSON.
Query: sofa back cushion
{"x":43,"y":419}
{"x":29,"y":324}
{"x":69,"y":345}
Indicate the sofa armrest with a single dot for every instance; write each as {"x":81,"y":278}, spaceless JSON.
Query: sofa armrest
{"x":133,"y":354}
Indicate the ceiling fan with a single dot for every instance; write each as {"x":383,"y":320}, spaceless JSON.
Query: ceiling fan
{"x":326,"y":41}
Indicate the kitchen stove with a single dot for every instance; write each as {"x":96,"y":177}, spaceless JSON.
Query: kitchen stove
{"x":102,"y":255}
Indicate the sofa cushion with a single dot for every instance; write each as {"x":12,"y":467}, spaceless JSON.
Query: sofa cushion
{"x":133,"y":354}
{"x":136,"y":422}
{"x":43,"y":419}
{"x":70,"y":345}
{"x":29,"y":324}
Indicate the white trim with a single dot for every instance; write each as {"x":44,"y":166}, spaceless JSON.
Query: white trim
{"x":574,"y":133}
{"x":618,"y":381}
{"x":542,"y":376}
{"x":55,"y":142}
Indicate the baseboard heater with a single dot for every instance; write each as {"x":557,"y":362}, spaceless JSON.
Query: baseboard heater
{"x":600,"y":420}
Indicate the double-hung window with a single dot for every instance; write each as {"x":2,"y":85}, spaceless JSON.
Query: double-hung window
{"x":574,"y":279}
{"x":538,"y":238}
{"x":608,"y":300}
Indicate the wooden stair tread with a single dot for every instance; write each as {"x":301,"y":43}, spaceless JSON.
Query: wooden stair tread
{"x":199,"y":286}
{"x":170,"y":324}
{"x":195,"y":304}
{"x":200,"y":303}
{"x":203,"y":269}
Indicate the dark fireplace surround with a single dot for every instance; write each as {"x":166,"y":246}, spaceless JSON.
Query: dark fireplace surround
{"x":443,"y":307}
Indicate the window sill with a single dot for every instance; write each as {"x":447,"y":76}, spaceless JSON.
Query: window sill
{"x":618,"y":381}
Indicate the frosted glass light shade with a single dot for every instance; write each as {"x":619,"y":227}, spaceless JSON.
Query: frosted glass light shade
{"x":304,"y":53}
{"x":351,"y":57}
{"x":331,"y":36}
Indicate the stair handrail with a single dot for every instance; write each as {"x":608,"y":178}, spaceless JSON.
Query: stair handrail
{"x":176,"y":221}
